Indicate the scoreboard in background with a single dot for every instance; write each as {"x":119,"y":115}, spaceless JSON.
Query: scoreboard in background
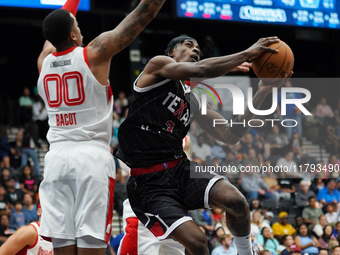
{"x":310,"y":13}
{"x":84,"y":5}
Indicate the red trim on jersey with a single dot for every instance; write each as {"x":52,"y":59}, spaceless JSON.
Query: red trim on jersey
{"x":155,"y":168}
{"x":110,"y":210}
{"x":130,"y":240}
{"x":86,"y":57}
{"x":109,"y":92}
{"x":23,"y":251}
{"x":61,"y":53}
{"x":36,"y":239}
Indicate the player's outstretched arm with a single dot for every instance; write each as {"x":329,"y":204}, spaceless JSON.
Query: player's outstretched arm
{"x":231,"y":135}
{"x":166,"y":67}
{"x":25,"y":236}
{"x":109,"y":43}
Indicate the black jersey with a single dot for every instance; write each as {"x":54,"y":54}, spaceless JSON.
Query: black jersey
{"x":158,"y":120}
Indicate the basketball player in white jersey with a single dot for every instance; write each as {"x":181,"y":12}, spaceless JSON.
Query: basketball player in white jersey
{"x":26,"y":241}
{"x":77,"y":191}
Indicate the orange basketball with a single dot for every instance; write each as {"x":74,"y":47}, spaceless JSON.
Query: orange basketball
{"x":270,"y":66}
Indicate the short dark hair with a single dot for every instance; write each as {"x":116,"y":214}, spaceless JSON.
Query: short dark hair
{"x":57,"y":26}
{"x":311,"y":197}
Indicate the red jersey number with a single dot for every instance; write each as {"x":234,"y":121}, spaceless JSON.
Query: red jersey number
{"x":61,"y":86}
{"x":170,"y":126}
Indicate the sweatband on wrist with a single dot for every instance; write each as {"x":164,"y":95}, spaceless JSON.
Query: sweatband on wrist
{"x":238,"y":128}
{"x":71,"y":6}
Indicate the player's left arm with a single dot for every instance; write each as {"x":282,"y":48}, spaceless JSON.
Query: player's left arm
{"x":48,"y":48}
{"x":224,"y":132}
{"x":25,"y":236}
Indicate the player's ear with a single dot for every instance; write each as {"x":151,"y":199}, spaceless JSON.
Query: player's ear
{"x":171,"y":53}
{"x":73,"y":36}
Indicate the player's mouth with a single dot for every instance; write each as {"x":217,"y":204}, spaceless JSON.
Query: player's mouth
{"x":195,"y":58}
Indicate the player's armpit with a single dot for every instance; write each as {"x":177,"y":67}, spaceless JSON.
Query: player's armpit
{"x":217,"y":129}
{"x":107,"y":44}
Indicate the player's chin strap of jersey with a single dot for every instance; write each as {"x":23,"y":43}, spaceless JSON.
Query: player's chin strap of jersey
{"x":71,"y":6}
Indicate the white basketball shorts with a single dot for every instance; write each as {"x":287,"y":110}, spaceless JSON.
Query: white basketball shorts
{"x":76,"y":194}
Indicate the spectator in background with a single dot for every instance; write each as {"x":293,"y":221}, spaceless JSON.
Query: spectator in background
{"x":209,"y":49}
{"x":285,"y":187}
{"x":333,"y":163}
{"x":305,"y":241}
{"x":283,"y":227}
{"x":203,"y":217}
{"x":287,"y":163}
{"x":5,"y":230}
{"x":247,"y":143}
{"x":332,"y":141}
{"x":292,"y":112}
{"x":201,"y":150}
{"x":326,"y":236}
{"x":324,"y":112}
{"x":217,"y":214}
{"x":12,"y":193}
{"x":28,"y":182}
{"x":311,"y":213}
{"x":121,"y":103}
{"x":5,"y":174}
{"x":4,"y":147}
{"x":323,"y":251}
{"x":296,"y":146}
{"x":219,"y":231}
{"x":298,"y":221}
{"x":318,"y":228}
{"x":329,"y":194}
{"x":303,"y":194}
{"x":268,"y":242}
{"x":317,"y":184}
{"x":26,"y":104}
{"x":288,"y":242}
{"x":312,"y":126}
{"x":29,"y":145}
{"x":267,"y":215}
{"x":17,"y":219}
{"x":336,"y":230}
{"x":254,"y":206}
{"x":16,"y":150}
{"x":257,"y":224}
{"x":40,"y":117}
{"x":296,"y":251}
{"x":29,"y":209}
{"x":216,"y":150}
{"x":331,"y":215}
{"x":275,"y":143}
{"x":3,"y":201}
{"x":255,"y":187}
{"x":225,"y":247}
{"x":251,"y":158}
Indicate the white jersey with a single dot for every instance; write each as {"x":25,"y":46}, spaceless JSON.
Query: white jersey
{"x":40,"y":247}
{"x":79,"y":107}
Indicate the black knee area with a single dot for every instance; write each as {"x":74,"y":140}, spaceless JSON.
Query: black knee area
{"x":240,"y":206}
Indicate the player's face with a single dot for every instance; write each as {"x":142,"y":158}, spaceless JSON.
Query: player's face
{"x":77,"y":37}
{"x":188,"y":51}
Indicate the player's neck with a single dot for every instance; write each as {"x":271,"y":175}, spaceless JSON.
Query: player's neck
{"x":66,"y":46}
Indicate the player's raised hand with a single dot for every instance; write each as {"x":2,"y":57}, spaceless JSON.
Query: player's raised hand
{"x":262,"y":46}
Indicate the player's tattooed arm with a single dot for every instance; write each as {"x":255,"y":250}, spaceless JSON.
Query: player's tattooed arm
{"x":111,"y":42}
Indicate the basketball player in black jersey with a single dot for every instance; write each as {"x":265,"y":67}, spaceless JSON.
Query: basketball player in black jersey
{"x":160,"y":189}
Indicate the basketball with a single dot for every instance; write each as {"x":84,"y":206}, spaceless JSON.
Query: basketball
{"x":271,"y":66}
